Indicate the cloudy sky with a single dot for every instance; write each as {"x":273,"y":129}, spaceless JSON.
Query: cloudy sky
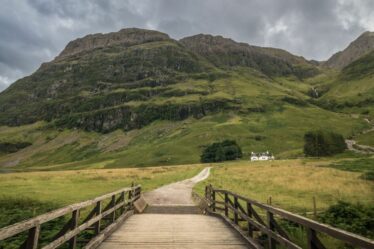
{"x":35,"y":31}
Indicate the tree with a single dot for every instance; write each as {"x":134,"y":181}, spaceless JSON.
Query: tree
{"x":323,"y":143}
{"x":221,"y":151}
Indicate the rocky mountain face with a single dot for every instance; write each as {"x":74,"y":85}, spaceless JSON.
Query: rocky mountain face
{"x":125,"y":38}
{"x":128,"y":79}
{"x":123,"y":79}
{"x":224,"y":52}
{"x":141,"y":98}
{"x":356,"y":49}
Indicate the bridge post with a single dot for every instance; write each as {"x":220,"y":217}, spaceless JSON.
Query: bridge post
{"x":33,"y":238}
{"x":236,"y":206}
{"x":122,"y":199}
{"x":113,"y":215}
{"x":313,"y":241}
{"x":226,"y":205}
{"x":74,"y":224}
{"x":213,"y":200}
{"x":98,"y":212}
{"x":249,"y":213}
{"x":270,"y":220}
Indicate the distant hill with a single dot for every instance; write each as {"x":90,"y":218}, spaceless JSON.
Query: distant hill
{"x":356,"y":49}
{"x":138,"y":97}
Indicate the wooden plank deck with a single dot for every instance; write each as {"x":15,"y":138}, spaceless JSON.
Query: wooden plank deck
{"x":180,"y":231}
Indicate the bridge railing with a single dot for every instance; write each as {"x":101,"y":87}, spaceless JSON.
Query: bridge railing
{"x":105,"y":214}
{"x":236,"y":208}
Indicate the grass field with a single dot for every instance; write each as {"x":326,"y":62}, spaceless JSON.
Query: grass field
{"x":292,"y":184}
{"x":23,"y":195}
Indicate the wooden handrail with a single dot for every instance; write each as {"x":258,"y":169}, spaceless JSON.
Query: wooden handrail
{"x":272,"y":228}
{"x":69,"y":233}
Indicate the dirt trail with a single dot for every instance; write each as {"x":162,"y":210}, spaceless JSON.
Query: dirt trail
{"x":358,"y":148}
{"x":178,"y":193}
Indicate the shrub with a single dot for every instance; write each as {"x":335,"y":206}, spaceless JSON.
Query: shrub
{"x":369,"y":176}
{"x":223,"y":151}
{"x":355,"y":218}
{"x":323,"y":143}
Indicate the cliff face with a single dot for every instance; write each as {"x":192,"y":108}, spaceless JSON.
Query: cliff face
{"x":356,"y":49}
{"x":124,"y":37}
{"x":224,"y":52}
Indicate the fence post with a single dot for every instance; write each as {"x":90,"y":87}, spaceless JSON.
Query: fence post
{"x":33,"y":238}
{"x":311,"y":238}
{"x":74,"y":224}
{"x":249,"y":212}
{"x":98,"y":212}
{"x":226,"y":203}
{"x":213,"y":200}
{"x":122,"y":199}
{"x":236,"y":206}
{"x":113,"y":205}
{"x":270,"y":221}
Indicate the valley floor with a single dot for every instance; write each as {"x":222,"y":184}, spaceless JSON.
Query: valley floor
{"x":292,"y":184}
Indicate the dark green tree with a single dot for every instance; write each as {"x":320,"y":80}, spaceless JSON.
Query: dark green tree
{"x":221,"y":151}
{"x":323,"y":143}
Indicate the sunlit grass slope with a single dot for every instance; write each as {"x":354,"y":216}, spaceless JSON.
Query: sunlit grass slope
{"x":23,"y":195}
{"x":292,"y":184}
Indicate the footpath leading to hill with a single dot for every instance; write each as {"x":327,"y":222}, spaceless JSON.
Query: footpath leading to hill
{"x":178,"y":193}
{"x":172,"y":220}
{"x":358,"y":148}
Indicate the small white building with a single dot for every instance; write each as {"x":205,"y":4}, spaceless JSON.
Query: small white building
{"x":263,"y":156}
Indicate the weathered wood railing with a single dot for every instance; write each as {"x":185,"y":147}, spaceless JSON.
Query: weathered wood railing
{"x":111,"y":209}
{"x":237,"y":209}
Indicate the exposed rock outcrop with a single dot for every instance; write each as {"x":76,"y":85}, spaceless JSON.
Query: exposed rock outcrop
{"x":356,"y":49}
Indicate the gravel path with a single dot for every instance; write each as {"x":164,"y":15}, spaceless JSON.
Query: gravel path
{"x":358,"y":148}
{"x":178,"y":193}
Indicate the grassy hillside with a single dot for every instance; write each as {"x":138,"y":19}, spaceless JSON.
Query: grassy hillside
{"x":155,"y":101}
{"x":167,"y":142}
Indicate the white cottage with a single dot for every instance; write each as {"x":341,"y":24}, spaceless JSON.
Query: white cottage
{"x":263,"y":156}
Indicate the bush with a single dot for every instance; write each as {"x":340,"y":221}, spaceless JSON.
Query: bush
{"x":355,"y":218}
{"x":369,"y":176}
{"x":223,"y":151}
{"x":323,"y":143}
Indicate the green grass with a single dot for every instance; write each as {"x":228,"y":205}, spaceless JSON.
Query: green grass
{"x":292,"y":184}
{"x":366,"y":139}
{"x":23,"y":195}
{"x":170,"y":142}
{"x":355,"y":165}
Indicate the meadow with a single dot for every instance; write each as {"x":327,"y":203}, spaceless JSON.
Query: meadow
{"x":24,"y":195}
{"x":292,"y":184}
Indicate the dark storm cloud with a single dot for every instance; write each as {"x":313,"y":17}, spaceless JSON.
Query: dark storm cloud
{"x":35,"y":31}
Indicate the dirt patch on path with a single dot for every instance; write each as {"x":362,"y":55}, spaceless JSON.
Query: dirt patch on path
{"x":178,"y":193}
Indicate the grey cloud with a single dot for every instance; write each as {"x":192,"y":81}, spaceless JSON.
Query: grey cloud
{"x":35,"y":31}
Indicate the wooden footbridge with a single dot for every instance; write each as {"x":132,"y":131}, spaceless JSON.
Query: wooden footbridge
{"x":221,"y":219}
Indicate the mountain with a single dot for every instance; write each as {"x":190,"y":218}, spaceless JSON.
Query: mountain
{"x":95,"y":81}
{"x":224,"y":52}
{"x":356,"y":49}
{"x":2,"y":86}
{"x":138,"y":97}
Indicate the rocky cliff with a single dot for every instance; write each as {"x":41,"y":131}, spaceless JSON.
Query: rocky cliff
{"x":356,"y":49}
